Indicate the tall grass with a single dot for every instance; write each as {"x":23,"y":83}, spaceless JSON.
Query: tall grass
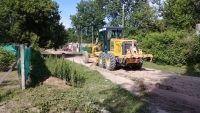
{"x":174,"y":69}
{"x":63,"y":69}
{"x":44,"y":67}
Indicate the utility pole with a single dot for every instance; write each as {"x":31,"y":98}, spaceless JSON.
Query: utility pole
{"x":92,"y":34}
{"x":80,"y":35}
{"x":22,"y":66}
{"x":123,"y":15}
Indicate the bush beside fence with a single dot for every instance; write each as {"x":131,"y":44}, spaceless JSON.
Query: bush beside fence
{"x":6,"y":59}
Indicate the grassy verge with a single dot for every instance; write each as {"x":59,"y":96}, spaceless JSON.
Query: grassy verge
{"x":95,"y":94}
{"x":184,"y":70}
{"x":10,"y":84}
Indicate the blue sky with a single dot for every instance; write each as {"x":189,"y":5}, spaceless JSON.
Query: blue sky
{"x":67,"y":8}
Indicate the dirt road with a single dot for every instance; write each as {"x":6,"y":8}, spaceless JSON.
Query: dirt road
{"x":169,"y":92}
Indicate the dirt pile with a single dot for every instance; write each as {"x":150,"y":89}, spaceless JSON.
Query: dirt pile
{"x":56,"y":82}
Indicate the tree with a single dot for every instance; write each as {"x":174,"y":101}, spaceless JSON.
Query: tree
{"x":72,"y":35}
{"x":141,"y":20}
{"x":22,"y":20}
{"x":89,"y":14}
{"x":114,"y":10}
{"x":180,"y":14}
{"x":139,"y":16}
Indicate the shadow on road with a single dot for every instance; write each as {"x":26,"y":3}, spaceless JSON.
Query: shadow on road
{"x":193,"y":70}
{"x":173,"y":93}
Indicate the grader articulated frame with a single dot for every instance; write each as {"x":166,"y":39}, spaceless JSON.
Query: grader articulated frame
{"x":111,"y":49}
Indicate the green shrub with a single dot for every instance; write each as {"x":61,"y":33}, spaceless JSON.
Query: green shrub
{"x":193,"y":59}
{"x":195,"y":50}
{"x":170,"y":48}
{"x":63,"y":69}
{"x":88,"y":49}
{"x":6,"y":59}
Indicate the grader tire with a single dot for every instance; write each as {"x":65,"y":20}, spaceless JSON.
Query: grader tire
{"x":85,"y":57}
{"x":110,"y":61}
{"x":102,"y":59}
{"x":137,"y":67}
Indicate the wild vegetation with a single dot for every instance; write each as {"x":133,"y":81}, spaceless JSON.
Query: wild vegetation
{"x":31,"y":22}
{"x":92,"y":93}
{"x":6,"y":59}
{"x":52,"y":66}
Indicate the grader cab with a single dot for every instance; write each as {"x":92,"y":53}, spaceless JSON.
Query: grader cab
{"x":111,"y":49}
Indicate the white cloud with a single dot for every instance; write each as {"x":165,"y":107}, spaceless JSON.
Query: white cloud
{"x":66,"y":26}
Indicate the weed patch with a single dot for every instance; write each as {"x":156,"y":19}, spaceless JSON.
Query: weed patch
{"x":65,"y":70}
{"x":95,"y":94}
{"x":43,"y":68}
{"x":184,"y":70}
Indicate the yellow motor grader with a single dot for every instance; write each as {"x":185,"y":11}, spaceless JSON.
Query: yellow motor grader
{"x":111,"y":49}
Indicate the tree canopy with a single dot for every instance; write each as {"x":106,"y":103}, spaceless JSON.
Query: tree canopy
{"x":38,"y":21}
{"x":138,"y":15}
{"x":181,"y":14}
{"x":89,"y":13}
{"x":31,"y":20}
{"x":141,"y":16}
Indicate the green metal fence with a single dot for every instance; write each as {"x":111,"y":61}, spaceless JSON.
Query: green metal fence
{"x":27,"y":60}
{"x":15,"y":49}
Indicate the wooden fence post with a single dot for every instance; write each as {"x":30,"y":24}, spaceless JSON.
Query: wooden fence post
{"x":22,"y":65}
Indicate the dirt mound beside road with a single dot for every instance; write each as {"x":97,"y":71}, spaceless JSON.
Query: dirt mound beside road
{"x":56,"y":82}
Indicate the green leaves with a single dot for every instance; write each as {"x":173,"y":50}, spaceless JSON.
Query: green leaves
{"x":139,"y":16}
{"x":6,"y":59}
{"x":89,"y":13}
{"x":63,"y":69}
{"x":180,"y":14}
{"x":72,"y":35}
{"x":19,"y":19}
{"x":141,"y":20}
{"x":171,"y":48}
